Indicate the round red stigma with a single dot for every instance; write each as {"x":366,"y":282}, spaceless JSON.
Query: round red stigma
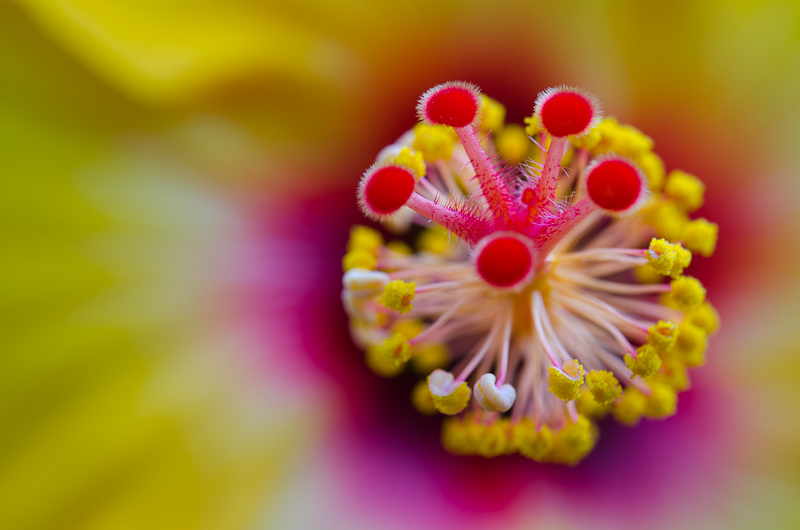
{"x":455,"y":104}
{"x":385,"y":189}
{"x":504,"y":260}
{"x":615,"y":184}
{"x":565,"y":111}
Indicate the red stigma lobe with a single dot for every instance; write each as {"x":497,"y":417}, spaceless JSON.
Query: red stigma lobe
{"x":504,"y":262}
{"x":614,"y":185}
{"x":566,"y":113}
{"x":387,"y":189}
{"x":450,"y":104}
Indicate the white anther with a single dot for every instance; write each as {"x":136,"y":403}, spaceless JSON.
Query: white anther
{"x":359,"y":307}
{"x":440,"y":383}
{"x":363,"y":282}
{"x":491,"y":398}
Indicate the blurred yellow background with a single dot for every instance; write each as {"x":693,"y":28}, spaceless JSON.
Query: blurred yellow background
{"x":153,"y":153}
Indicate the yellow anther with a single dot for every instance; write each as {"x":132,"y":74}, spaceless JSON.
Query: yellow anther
{"x":428,"y":358}
{"x":687,"y":293}
{"x":455,"y":402}
{"x":376,"y":361}
{"x":456,"y":437}
{"x":662,"y":402}
{"x":493,"y":114}
{"x":532,"y":125}
{"x":436,"y":240}
{"x":604,"y":386}
{"x":685,"y":189}
{"x":588,"y":406}
{"x":653,"y":167}
{"x":646,"y":363}
{"x":662,"y":336}
{"x":666,"y":219}
{"x":700,"y":236}
{"x":673,"y":373}
{"x":398,"y":295}
{"x":396,"y":350}
{"x":621,"y":139}
{"x":691,"y":344}
{"x":573,"y":442}
{"x":360,"y":259}
{"x":588,"y":141}
{"x":412,"y":160}
{"x":447,"y":398}
{"x":565,"y":383}
{"x":364,"y":238}
{"x":667,"y":258}
{"x":422,"y":399}
{"x":705,"y":317}
{"x":410,"y":328}
{"x":513,"y":144}
{"x":531,"y":442}
{"x":631,"y":407}
{"x":434,"y":142}
{"x":494,"y":439}
{"x":400,"y":247}
{"x":646,"y":274}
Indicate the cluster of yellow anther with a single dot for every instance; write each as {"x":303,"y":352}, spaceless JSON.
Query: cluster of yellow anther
{"x":454,"y":402}
{"x":472,"y":436}
{"x":398,"y":295}
{"x":691,"y":345}
{"x":604,"y":387}
{"x":667,"y":258}
{"x":412,"y":160}
{"x":362,"y":248}
{"x":687,"y":293}
{"x":685,"y":189}
{"x":701,"y":235}
{"x":565,"y":383}
{"x":662,"y":336}
{"x":668,"y":214}
{"x":435,"y":142}
{"x":646,"y":363}
{"x":395,"y":350}
{"x":660,"y":403}
{"x":493,"y":114}
{"x":513,"y":144}
{"x":422,"y":399}
{"x":437,"y":241}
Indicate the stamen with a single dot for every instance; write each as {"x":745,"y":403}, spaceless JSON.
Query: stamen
{"x":548,"y":291}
